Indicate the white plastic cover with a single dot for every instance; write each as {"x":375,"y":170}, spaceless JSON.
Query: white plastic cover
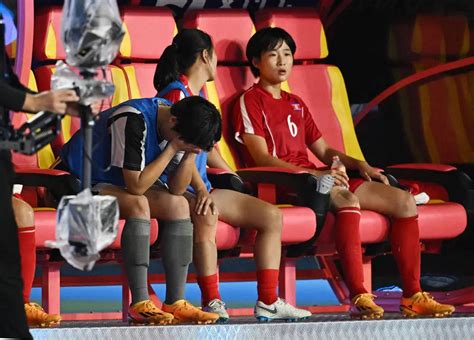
{"x":91,"y":32}
{"x":89,"y":90}
{"x":85,"y":225}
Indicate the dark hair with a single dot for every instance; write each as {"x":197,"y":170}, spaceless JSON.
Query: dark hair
{"x":180,"y":55}
{"x":265,"y":40}
{"x":198,"y":122}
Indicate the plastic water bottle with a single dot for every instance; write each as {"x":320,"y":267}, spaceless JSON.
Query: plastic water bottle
{"x":325,"y":184}
{"x":337,"y":164}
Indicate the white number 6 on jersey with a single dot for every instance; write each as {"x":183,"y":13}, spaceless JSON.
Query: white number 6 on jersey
{"x":292,"y":126}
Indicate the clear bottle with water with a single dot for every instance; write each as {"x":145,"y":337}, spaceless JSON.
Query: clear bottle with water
{"x":337,"y":164}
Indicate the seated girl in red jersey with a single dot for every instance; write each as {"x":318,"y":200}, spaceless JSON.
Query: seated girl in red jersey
{"x":184,"y":68}
{"x":24,"y":216}
{"x":275,"y":128}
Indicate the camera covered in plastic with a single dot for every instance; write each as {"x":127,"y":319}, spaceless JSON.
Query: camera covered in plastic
{"x":88,"y":89}
{"x":92,"y":33}
{"x":86,"y":224}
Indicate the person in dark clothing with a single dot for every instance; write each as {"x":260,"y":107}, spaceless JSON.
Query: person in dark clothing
{"x":14,"y":96}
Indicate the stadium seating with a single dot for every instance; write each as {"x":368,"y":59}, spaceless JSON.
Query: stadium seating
{"x":230,"y":49}
{"x":326,"y":98}
{"x":132,"y":73}
{"x":139,"y":68}
{"x":230,"y":31}
{"x":38,"y":180}
{"x":47,"y":50}
{"x":130,"y":66}
{"x":142,"y":47}
{"x":328,"y":104}
{"x":138,"y":59}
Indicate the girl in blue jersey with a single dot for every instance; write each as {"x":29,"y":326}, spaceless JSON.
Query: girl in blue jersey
{"x":185,"y":66}
{"x":135,"y":145}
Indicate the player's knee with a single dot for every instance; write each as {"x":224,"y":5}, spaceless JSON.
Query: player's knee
{"x":404,"y":204}
{"x":178,"y":207}
{"x":205,"y":233}
{"x":345,"y":198}
{"x":24,"y":213}
{"x":273,"y":218}
{"x":205,"y":227}
{"x":139,"y":206}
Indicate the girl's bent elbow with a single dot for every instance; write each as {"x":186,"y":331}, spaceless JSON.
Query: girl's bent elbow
{"x":135,"y":191}
{"x":176,"y":192}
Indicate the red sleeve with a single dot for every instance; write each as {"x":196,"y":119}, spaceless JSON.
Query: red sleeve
{"x":174,"y":95}
{"x":248,"y":116}
{"x":312,"y":133}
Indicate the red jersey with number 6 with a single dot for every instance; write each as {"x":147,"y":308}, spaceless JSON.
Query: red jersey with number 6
{"x":285,"y":123}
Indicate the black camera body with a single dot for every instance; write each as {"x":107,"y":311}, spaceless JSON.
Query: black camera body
{"x":36,"y":132}
{"x":33,"y":135}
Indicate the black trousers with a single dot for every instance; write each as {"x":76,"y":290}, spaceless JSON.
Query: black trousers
{"x":12,"y":311}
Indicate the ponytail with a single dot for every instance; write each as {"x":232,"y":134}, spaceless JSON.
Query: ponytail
{"x":167,"y":69}
{"x":180,"y":56}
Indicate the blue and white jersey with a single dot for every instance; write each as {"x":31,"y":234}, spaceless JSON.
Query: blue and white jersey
{"x":124,"y":137}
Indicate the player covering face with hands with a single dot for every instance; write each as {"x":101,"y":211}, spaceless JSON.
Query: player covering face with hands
{"x":144,"y":155}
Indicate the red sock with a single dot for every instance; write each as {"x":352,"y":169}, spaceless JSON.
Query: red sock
{"x":405,"y":240}
{"x":209,"y":288}
{"x":26,"y":239}
{"x":267,"y":283}
{"x":348,"y":246}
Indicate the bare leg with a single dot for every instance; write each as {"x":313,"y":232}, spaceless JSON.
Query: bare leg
{"x":205,"y":250}
{"x":343,"y":198}
{"x":156,"y":203}
{"x":386,"y":200}
{"x":24,"y":214}
{"x":166,"y":206}
{"x":245,"y":211}
{"x":130,"y":206}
